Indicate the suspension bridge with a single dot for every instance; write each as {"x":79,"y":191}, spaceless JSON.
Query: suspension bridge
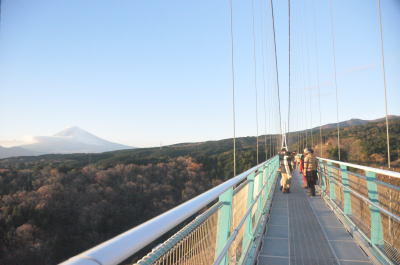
{"x":247,"y":220}
{"x":353,"y":220}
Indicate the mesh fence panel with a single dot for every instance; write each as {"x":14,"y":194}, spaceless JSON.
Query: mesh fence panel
{"x":388,"y":191}
{"x":235,"y":251}
{"x":239,"y":204}
{"x":360,"y":212}
{"x":325,"y":173}
{"x":338,"y":188}
{"x":197,"y":247}
{"x":254,"y":210}
{"x":389,"y":198}
{"x":237,"y":248}
{"x":196,"y":243}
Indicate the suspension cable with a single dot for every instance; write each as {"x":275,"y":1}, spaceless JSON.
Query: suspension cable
{"x":309,"y":87}
{"x":335,"y":78}
{"x":276,"y":66}
{"x":289,"y":66}
{"x":308,"y":82}
{"x":264,"y":85}
{"x":303,"y":79}
{"x":295,"y":74}
{"x":0,"y":14}
{"x":318,"y":81}
{"x":384,"y":81}
{"x":255,"y":73}
{"x":233,"y":86}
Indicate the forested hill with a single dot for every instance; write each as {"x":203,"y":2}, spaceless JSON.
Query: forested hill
{"x":215,"y":157}
{"x":55,"y":206}
{"x":362,"y":141}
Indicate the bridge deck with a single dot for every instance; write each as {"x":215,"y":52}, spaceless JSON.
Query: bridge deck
{"x":303,"y":230}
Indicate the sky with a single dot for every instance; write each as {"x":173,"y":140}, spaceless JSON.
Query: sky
{"x":151,"y":72}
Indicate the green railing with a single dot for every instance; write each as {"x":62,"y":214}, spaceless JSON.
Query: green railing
{"x":368,"y":199}
{"x":229,"y":231}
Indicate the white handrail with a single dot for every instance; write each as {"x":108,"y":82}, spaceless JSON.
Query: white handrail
{"x":121,"y":247}
{"x":236,"y":230}
{"x":371,"y":169}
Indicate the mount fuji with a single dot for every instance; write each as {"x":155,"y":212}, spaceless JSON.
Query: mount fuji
{"x":70,"y":140}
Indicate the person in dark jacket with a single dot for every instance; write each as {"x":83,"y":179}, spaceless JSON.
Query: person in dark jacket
{"x":310,"y":170}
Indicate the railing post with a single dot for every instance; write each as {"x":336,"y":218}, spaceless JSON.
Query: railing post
{"x":248,"y":225}
{"x":332,"y":195}
{"x":266,"y":181}
{"x":376,"y":224}
{"x":274,"y":169}
{"x":346,"y":192}
{"x":224,"y":223}
{"x":270,"y":169}
{"x":321,"y":171}
{"x":259,"y":189}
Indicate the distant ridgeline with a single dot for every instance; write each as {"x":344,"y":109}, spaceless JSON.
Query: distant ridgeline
{"x":55,"y":206}
{"x":361,"y":141}
{"x":69,"y":141}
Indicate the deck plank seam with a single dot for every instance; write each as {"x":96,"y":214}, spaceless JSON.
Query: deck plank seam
{"x":324,"y":232}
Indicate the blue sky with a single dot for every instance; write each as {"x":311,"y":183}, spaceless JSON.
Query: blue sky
{"x":145,"y":72}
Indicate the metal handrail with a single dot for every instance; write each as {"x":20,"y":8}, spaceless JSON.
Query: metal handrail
{"x":368,"y":201}
{"x":370,"y":169}
{"x":387,"y":185}
{"x":373,"y":238}
{"x":123,"y":246}
{"x":167,"y":245}
{"x":235,"y":232}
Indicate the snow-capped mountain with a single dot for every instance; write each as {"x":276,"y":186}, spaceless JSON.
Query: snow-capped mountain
{"x":70,"y":140}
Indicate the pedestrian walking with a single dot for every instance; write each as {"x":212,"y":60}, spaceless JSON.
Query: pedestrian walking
{"x":301,"y":169}
{"x":286,"y":170}
{"x":310,"y":170}
{"x":293,"y":157}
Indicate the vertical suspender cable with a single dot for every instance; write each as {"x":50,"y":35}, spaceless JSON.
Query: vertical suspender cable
{"x":303,"y":77}
{"x":233,"y":88}
{"x":0,"y":12}
{"x":309,"y":87}
{"x":297,"y":53}
{"x":318,"y":83}
{"x":384,"y":81}
{"x":335,"y":78}
{"x":288,"y":122}
{"x":264,"y":86}
{"x":255,"y":73}
{"x":294,"y":73}
{"x":268,"y":106}
{"x":270,"y":123}
{"x":276,"y":66}
{"x":271,"y":119}
{"x":305,"y":85}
